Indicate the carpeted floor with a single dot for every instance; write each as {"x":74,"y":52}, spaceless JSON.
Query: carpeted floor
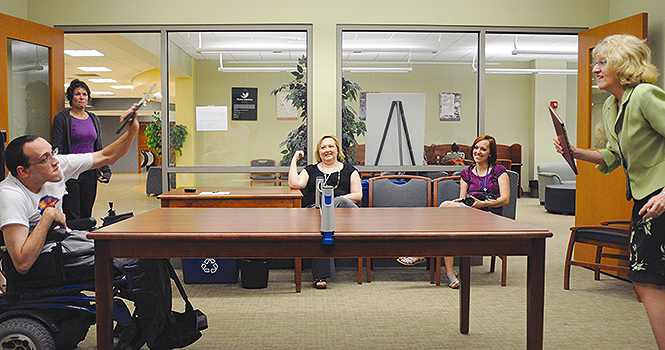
{"x":401,"y":310}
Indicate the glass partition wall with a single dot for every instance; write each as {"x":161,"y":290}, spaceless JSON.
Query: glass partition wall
{"x":433,"y":75}
{"x":215,"y":82}
{"x":228,"y":103}
{"x":455,"y":84}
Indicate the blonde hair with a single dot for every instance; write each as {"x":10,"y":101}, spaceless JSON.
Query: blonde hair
{"x":629,"y":57}
{"x":340,"y":154}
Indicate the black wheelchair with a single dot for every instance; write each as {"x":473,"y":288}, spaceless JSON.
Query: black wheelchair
{"x":46,"y":310}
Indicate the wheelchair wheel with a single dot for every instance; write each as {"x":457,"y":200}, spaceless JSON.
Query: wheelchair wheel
{"x":24,"y":334}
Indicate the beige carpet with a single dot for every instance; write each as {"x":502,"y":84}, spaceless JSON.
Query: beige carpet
{"x":401,"y":310}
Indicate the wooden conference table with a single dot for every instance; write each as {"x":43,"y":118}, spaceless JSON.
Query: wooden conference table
{"x":233,"y":197}
{"x":238,"y":197}
{"x":295,"y":232}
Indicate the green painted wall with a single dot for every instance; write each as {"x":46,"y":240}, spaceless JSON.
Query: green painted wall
{"x":16,"y":8}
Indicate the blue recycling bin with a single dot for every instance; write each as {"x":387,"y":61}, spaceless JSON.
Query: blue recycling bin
{"x":209,"y":270}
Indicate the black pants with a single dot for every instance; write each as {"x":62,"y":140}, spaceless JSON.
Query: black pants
{"x":81,"y":195}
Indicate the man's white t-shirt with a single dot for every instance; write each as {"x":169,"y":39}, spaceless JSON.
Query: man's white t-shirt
{"x":19,"y":205}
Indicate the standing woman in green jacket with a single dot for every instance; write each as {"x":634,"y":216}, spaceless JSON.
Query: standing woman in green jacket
{"x":634,"y":119}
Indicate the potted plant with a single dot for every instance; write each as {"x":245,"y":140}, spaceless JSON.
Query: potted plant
{"x":296,"y":140}
{"x":177,"y":135}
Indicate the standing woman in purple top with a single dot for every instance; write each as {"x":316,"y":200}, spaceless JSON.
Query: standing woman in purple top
{"x":76,"y":130}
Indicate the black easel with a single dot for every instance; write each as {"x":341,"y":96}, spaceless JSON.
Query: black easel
{"x":397,"y":103}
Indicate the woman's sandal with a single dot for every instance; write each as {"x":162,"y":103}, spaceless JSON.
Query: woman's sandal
{"x":454,"y":281}
{"x":319,"y":283}
{"x":409,"y":261}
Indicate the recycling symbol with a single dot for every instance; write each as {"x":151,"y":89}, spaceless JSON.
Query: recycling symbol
{"x":209,"y":265}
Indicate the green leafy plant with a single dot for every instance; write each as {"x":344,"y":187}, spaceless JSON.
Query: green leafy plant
{"x":296,"y":140}
{"x":297,"y":94}
{"x":352,"y":126}
{"x":177,"y":135}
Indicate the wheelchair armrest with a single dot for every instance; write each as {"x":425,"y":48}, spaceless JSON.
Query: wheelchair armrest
{"x":82,"y":224}
{"x":56,"y":234}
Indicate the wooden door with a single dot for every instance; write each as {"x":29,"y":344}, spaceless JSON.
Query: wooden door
{"x":599,"y":197}
{"x":45,"y":38}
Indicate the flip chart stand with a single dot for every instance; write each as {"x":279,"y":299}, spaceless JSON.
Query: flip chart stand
{"x":400,"y":108}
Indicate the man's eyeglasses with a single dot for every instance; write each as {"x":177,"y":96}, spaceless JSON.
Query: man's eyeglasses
{"x":47,"y":158}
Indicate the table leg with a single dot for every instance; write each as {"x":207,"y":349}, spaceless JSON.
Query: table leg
{"x":103,"y":285}
{"x":360,"y":270}
{"x":535,"y":294}
{"x":465,"y":293}
{"x":298,"y":274}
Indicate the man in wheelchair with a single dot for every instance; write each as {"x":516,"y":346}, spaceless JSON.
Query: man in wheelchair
{"x":30,"y":205}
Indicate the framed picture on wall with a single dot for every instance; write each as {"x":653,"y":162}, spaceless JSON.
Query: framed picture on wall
{"x":244,"y":102}
{"x":285,"y":108}
{"x":450,"y":106}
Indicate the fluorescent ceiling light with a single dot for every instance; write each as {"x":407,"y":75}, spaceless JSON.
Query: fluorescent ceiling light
{"x":122,"y":87}
{"x":544,"y":52}
{"x":401,"y":49}
{"x":255,"y":69}
{"x":377,"y":69}
{"x":268,"y":49}
{"x":94,"y":69}
{"x":529,"y":71}
{"x":102,"y":93}
{"x":102,"y":80}
{"x":83,"y":53}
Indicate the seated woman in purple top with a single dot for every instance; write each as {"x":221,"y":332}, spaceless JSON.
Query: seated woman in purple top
{"x":76,"y":131}
{"x":485,"y":184}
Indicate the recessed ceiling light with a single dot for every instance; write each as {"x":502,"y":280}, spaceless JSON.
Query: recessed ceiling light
{"x":83,"y":53}
{"x":94,"y":69}
{"x":102,"y":93}
{"x":102,"y":80}
{"x":122,"y":87}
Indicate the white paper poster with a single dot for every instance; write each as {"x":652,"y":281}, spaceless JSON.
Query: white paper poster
{"x":211,"y":118}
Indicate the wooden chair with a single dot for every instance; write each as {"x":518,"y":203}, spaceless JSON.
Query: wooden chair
{"x":263,"y":177}
{"x":384,"y":192}
{"x":610,"y":234}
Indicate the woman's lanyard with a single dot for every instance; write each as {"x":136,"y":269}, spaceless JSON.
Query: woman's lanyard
{"x":327,"y":176}
{"x":484,"y":183}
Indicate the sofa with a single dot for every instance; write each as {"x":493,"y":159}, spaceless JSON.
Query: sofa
{"x":553,"y":173}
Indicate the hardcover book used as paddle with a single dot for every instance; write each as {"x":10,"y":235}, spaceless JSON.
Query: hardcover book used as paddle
{"x":131,"y":117}
{"x":563,"y":137}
